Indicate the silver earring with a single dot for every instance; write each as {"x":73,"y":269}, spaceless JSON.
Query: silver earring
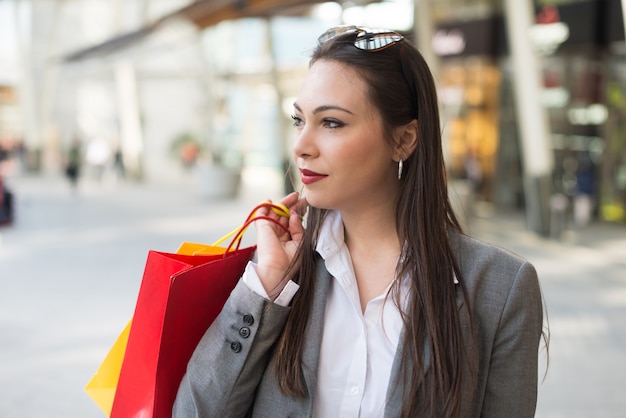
{"x":400,"y":169}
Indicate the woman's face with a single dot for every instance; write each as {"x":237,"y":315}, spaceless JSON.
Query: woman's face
{"x":344,"y":160}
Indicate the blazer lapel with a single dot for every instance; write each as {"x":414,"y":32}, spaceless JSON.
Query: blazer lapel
{"x":398,"y":380}
{"x":313,"y":336}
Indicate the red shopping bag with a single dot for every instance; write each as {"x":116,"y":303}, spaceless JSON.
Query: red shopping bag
{"x":179,"y":297}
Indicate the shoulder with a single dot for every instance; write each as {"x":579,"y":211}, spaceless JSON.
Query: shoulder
{"x":506,"y":316}
{"x":493,"y":274}
{"x":478,"y":257}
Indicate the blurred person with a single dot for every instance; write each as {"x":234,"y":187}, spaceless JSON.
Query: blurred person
{"x":20,"y":152}
{"x":474,"y":171}
{"x":119,"y":169}
{"x":74,"y":163}
{"x":379,"y":305}
{"x":6,"y":203}
{"x":586,"y":191}
{"x":6,"y":196}
{"x":6,"y":150}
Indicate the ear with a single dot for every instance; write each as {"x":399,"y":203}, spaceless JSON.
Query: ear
{"x":405,"y":140}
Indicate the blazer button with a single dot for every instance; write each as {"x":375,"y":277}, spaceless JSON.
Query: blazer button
{"x":235,"y":346}
{"x":244,"y":332}
{"x":248,"y":319}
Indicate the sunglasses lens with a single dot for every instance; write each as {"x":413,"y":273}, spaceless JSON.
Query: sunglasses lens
{"x":373,"y":42}
{"x":332,"y":32}
{"x":366,"y":39}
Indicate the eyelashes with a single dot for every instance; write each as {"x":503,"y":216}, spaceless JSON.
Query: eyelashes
{"x":297,"y":120}
{"x":333,"y":123}
{"x":329,"y":123}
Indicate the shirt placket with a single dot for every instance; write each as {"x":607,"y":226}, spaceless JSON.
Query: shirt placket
{"x":355,"y":383}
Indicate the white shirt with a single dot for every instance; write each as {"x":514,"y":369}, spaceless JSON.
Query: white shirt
{"x":357,"y":349}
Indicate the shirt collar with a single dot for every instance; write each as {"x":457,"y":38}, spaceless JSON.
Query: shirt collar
{"x":331,"y":237}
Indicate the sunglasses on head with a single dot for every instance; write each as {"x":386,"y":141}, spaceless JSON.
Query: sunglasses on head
{"x":373,"y":40}
{"x":366,"y":39}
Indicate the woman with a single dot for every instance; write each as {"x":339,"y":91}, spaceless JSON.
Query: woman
{"x":380,"y":306}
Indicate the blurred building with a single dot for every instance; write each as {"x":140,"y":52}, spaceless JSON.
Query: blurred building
{"x":177,"y":86}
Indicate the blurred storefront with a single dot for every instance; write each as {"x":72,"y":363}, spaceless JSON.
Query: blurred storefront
{"x":10,"y":117}
{"x":12,"y":151}
{"x":471,"y":78}
{"x":583,"y":55}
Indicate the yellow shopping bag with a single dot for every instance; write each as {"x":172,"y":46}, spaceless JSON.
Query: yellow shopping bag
{"x":101,"y":387}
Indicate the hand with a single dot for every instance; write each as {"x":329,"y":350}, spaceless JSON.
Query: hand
{"x":276,"y":247}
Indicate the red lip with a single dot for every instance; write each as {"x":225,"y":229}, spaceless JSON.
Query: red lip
{"x":309,"y":177}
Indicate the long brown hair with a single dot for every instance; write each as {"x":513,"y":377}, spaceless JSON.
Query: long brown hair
{"x":424,"y":219}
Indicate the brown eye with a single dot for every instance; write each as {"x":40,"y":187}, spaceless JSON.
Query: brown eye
{"x":333,"y":123}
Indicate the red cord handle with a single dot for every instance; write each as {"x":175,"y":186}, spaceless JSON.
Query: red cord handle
{"x":251,"y":219}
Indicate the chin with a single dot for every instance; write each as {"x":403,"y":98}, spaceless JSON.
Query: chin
{"x":317,"y":200}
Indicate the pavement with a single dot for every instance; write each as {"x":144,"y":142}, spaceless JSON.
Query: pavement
{"x":71,"y":265}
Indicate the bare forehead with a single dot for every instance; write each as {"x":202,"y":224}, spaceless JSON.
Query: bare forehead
{"x":334,"y":71}
{"x":332,"y":82}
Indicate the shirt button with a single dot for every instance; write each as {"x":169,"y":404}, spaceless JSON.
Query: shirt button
{"x":235,"y":346}
{"x":248,"y":319}
{"x":244,"y":332}
{"x":354,"y":390}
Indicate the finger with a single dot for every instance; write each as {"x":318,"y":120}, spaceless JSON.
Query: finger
{"x":296,"y":230}
{"x":290,"y":200}
{"x":280,"y":211}
{"x":300,"y":206}
{"x":272,"y":222}
{"x":269,"y":233}
{"x":262,"y":210}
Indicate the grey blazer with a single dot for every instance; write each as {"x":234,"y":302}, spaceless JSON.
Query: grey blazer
{"x":229,"y":375}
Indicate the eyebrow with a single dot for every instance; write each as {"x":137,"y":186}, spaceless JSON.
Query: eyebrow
{"x":323,"y":108}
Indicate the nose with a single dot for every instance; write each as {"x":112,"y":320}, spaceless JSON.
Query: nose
{"x":304,"y":143}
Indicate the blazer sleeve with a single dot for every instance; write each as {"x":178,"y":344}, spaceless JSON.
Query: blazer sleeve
{"x":511,"y":389}
{"x":228,"y":363}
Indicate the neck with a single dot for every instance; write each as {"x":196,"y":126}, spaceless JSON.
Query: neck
{"x":374,"y":247}
{"x":372,"y":229}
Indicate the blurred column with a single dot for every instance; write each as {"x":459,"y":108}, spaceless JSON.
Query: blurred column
{"x":531,"y":116}
{"x":39,"y":77}
{"x":26,"y":83}
{"x":423,"y":32}
{"x":51,"y":147}
{"x":624,"y":14}
{"x":280,"y":98}
{"x":131,"y":138}
{"x":131,"y":134}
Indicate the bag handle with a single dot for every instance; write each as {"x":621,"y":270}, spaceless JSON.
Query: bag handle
{"x":246,"y":225}
{"x":278,"y":208}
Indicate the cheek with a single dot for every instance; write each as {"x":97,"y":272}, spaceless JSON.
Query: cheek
{"x":366,"y":156}
{"x":349,"y":160}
